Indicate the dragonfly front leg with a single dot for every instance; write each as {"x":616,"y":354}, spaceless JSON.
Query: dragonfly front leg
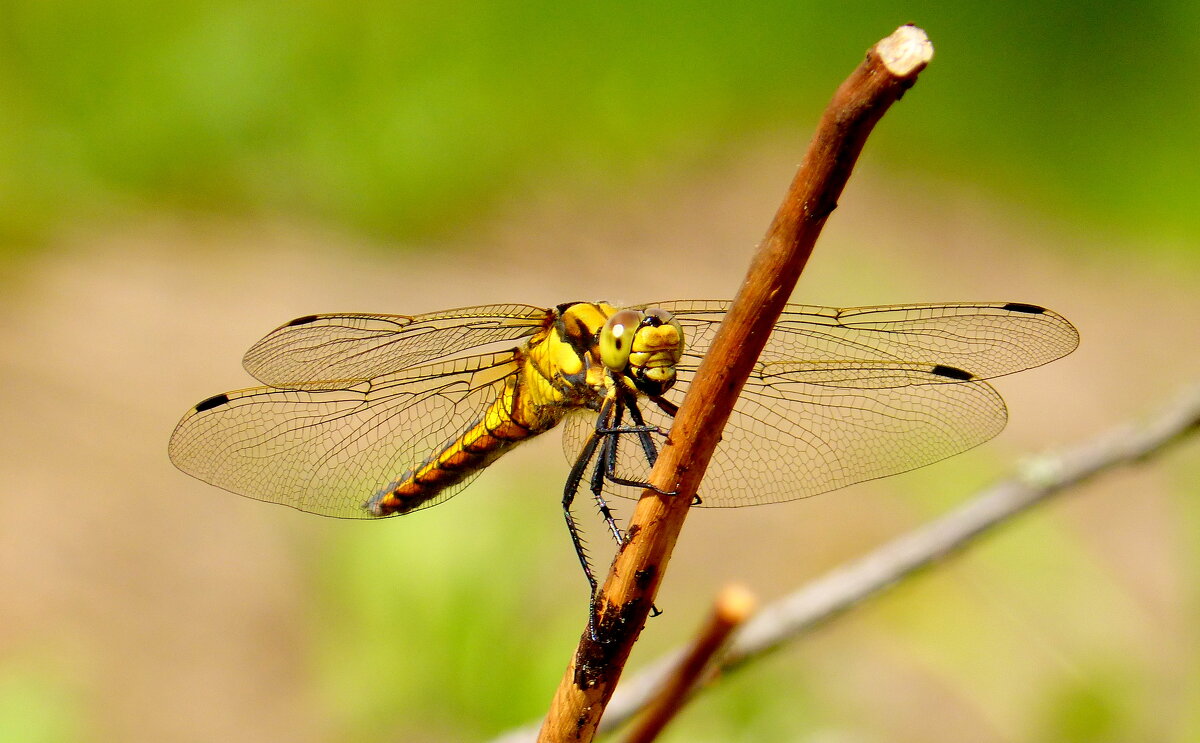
{"x":648,"y":447}
{"x":606,"y":467}
{"x":649,"y":450}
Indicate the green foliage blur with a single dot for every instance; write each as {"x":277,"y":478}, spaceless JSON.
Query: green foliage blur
{"x":409,"y":119}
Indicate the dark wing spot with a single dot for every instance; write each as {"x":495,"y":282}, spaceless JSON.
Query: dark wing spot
{"x":951,"y":372}
{"x":1032,"y":309}
{"x":302,"y":321}
{"x":212,"y":402}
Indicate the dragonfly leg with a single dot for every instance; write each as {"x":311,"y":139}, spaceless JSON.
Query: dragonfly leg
{"x":608,"y":451}
{"x":615,"y":431}
{"x":649,"y":450}
{"x":605,"y":432}
{"x":612,"y":430}
{"x":628,"y":429}
{"x":607,"y":438}
{"x":648,"y":447}
{"x":609,"y":454}
{"x":606,"y":468}
{"x":670,"y":409}
{"x":572,"y":487}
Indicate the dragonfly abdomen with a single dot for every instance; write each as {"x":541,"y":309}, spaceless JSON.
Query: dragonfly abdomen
{"x":505,"y":424}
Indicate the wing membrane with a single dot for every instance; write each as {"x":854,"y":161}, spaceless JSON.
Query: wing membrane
{"x":335,"y":351}
{"x":804,"y":428}
{"x":326,"y":450}
{"x":986,"y":339}
{"x":840,"y":396}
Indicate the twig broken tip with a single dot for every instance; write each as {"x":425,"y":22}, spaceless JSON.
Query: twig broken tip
{"x":735,"y":603}
{"x":906,"y":51}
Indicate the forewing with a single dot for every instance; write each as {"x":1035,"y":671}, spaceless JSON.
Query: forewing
{"x":335,"y":351}
{"x":986,"y":339}
{"x":327,"y":451}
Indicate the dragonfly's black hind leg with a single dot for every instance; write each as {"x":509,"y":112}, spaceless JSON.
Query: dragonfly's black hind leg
{"x":572,"y":487}
{"x":606,"y":432}
{"x":606,"y":467}
{"x":569,"y":491}
{"x":606,"y":438}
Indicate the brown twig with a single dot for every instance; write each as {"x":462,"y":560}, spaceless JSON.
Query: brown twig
{"x":733,"y":606}
{"x":891,"y":67}
{"x":1039,"y":479}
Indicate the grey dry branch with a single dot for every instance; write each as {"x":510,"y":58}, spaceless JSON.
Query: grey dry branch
{"x":624,"y":601}
{"x":1038,"y":479}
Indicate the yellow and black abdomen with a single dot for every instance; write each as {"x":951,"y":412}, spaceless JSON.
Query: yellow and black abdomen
{"x":528,"y":405}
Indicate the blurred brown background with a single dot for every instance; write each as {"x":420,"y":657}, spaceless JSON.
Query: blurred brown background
{"x":231,"y":169}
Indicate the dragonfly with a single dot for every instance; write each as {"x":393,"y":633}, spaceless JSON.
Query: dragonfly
{"x":370,"y":415}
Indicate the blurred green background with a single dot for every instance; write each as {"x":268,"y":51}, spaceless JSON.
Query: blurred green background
{"x":176,"y":180}
{"x":398,"y":118}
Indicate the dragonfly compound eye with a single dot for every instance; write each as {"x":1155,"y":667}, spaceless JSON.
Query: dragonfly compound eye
{"x":616,"y":339}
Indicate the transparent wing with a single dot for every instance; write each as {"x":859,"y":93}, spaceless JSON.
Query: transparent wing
{"x":326,"y":450}
{"x":846,"y":395}
{"x":800,"y":429}
{"x":986,"y":339}
{"x":334,"y":351}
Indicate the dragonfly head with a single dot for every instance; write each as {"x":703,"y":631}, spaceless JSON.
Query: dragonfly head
{"x":644,"y":346}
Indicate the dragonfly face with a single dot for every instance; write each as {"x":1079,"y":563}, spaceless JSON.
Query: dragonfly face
{"x":645,"y":346}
